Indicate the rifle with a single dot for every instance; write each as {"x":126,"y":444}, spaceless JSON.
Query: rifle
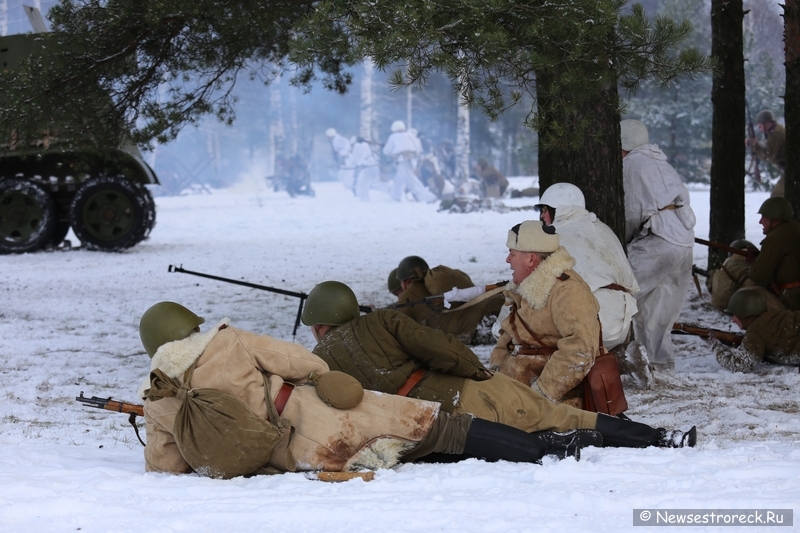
{"x":725,"y":337}
{"x":720,"y":246}
{"x":134,"y":410}
{"x":301,"y":295}
{"x":751,"y":134}
{"x":108,"y":404}
{"x":434,"y":300}
{"x":697,"y":270}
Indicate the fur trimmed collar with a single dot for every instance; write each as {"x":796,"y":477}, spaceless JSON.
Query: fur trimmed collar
{"x":535,"y":289}
{"x":175,"y":358}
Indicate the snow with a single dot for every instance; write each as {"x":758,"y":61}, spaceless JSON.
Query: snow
{"x":68,"y":323}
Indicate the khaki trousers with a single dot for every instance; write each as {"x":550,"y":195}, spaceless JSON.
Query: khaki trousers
{"x":507,"y":401}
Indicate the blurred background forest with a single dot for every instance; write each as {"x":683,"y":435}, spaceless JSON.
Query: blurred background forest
{"x":277,"y":120}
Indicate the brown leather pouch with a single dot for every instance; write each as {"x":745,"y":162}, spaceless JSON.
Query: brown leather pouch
{"x":602,"y":387}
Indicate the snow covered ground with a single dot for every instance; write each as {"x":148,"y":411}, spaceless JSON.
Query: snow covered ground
{"x":68,"y":323}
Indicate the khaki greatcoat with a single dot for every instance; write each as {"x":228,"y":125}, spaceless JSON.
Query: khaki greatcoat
{"x":559,"y":307}
{"x":779,"y":262}
{"x":324,"y":438}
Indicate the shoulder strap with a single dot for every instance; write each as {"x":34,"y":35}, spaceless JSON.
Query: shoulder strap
{"x":513,"y":318}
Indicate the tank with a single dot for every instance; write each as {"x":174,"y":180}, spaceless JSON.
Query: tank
{"x":48,"y":186}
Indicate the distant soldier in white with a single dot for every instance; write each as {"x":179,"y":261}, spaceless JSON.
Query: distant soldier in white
{"x":405,"y":148}
{"x":341,"y":151}
{"x":600,"y":259}
{"x":365,"y":168}
{"x":659,"y":229}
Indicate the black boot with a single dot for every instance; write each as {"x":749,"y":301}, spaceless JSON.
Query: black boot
{"x":629,"y":434}
{"x":498,"y":442}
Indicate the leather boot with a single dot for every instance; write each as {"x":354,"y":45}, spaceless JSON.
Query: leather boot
{"x":498,"y":442}
{"x":629,"y":434}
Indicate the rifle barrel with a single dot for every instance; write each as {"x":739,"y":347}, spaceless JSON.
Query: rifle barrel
{"x":720,"y":246}
{"x":182,"y":270}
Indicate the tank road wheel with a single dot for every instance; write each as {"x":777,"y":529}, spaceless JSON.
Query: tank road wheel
{"x":27,"y":216}
{"x":110,"y":213}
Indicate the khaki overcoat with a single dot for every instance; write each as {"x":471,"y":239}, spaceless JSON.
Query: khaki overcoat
{"x":324,"y":438}
{"x":779,"y":262}
{"x":559,"y":307}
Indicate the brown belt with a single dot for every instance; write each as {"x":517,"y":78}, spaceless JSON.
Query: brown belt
{"x":411,"y":382}
{"x":790,"y":285}
{"x":283,"y":397}
{"x":534,"y":350}
{"x":615,"y":287}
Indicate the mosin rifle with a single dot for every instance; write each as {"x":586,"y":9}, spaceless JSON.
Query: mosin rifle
{"x":436,"y":301}
{"x":725,"y":337}
{"x":135,"y":410}
{"x":301,"y":295}
{"x":108,"y":404}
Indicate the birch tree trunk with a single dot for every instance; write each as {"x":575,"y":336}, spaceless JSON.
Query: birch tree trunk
{"x":367,"y":116}
{"x":462,"y":144}
{"x":277,"y":136}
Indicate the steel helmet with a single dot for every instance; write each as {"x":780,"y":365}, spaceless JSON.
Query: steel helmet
{"x":332,"y":303}
{"x":330,"y":132}
{"x":634,"y":134}
{"x":742,"y":244}
{"x":765,"y":116}
{"x":398,"y":125}
{"x":393,"y":283}
{"x":747,"y":302}
{"x":406,"y":267}
{"x":166,"y":322}
{"x":560,"y":195}
{"x":777,"y":208}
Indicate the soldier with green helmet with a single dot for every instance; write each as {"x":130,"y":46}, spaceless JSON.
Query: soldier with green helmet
{"x":330,"y":422}
{"x":731,"y":276}
{"x":770,"y":335}
{"x":772,"y":148}
{"x":777,"y":266}
{"x":388,"y":352}
{"x":418,"y":281}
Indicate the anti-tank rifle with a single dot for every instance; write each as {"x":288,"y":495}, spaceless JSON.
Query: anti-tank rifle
{"x":301,"y":295}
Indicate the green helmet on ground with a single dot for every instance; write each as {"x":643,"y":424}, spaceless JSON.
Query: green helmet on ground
{"x":776,"y":209}
{"x":747,"y":302}
{"x":408,"y":264}
{"x":166,"y":322}
{"x":393,"y":283}
{"x":765,"y":116}
{"x":332,"y":303}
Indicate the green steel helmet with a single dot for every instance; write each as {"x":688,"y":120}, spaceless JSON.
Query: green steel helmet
{"x":408,"y":264}
{"x":765,"y":116}
{"x":747,"y":302}
{"x":166,"y":322}
{"x":332,"y":303}
{"x":777,"y":208}
{"x":393,"y":283}
{"x":742,"y":244}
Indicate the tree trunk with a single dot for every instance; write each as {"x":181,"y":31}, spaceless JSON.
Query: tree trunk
{"x":595,"y":168}
{"x":276,"y":130}
{"x":791,"y":35}
{"x":367,"y":117}
{"x":727,"y":129}
{"x":462,"y":143}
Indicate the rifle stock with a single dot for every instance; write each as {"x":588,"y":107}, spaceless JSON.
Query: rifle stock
{"x":131,"y":409}
{"x":725,"y":337}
